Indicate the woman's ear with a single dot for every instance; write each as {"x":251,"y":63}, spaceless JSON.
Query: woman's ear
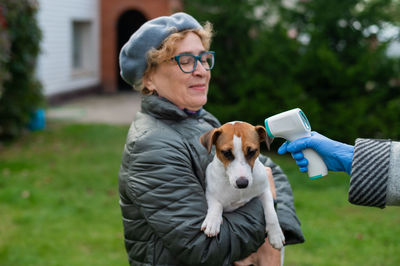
{"x":149,"y":83}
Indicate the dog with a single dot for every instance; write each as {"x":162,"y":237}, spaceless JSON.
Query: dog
{"x":235,"y":176}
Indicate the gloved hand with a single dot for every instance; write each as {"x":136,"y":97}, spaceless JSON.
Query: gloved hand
{"x":336,"y":155}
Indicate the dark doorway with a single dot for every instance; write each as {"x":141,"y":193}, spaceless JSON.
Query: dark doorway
{"x":128,"y":23}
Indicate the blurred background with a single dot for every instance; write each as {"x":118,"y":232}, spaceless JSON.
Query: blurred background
{"x":65,"y":112}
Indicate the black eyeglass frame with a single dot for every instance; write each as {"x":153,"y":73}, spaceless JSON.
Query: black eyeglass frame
{"x":196,"y":58}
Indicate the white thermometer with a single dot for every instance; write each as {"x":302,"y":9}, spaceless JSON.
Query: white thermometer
{"x":292,"y":125}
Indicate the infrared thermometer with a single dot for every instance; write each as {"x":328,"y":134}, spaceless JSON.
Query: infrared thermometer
{"x":292,"y":125}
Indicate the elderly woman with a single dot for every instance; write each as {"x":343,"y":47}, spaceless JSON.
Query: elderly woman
{"x":161,"y":180}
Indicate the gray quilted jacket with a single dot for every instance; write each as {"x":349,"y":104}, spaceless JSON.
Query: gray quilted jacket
{"x":161,"y":185}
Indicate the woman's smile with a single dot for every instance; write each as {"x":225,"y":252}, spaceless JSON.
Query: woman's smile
{"x":201,"y":86}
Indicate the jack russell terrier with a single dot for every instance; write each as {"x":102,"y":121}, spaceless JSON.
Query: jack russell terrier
{"x":236,"y":175}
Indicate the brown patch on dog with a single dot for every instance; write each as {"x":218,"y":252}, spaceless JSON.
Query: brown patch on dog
{"x":209,"y":138}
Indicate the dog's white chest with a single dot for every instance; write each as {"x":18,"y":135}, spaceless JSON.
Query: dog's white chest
{"x":221,"y":188}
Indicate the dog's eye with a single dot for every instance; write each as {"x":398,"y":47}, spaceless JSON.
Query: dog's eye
{"x":250,"y":153}
{"x":228,"y":154}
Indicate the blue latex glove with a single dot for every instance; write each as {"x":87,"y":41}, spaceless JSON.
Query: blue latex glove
{"x":336,"y":155}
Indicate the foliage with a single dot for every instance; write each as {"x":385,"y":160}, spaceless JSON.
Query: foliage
{"x":4,"y":49}
{"x":20,"y":92}
{"x":321,"y":56}
{"x":59,"y":206}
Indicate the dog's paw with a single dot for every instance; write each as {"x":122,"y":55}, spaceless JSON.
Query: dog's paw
{"x":275,"y":236}
{"x":211,"y":225}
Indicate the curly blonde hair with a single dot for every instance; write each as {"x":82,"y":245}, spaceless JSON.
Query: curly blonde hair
{"x":167,"y":50}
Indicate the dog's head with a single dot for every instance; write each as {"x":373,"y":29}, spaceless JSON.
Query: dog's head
{"x":237,"y":148}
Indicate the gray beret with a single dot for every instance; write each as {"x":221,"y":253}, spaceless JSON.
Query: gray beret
{"x":133,"y":56}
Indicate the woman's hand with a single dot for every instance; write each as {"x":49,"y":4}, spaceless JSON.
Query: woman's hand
{"x":266,"y":254}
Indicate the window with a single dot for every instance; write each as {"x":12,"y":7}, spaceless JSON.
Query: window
{"x":82,"y":47}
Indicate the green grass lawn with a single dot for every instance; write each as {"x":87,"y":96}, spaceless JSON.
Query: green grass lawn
{"x":337,"y":232}
{"x":59,"y":206}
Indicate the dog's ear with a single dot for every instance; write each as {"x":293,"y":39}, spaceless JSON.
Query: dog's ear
{"x":209,"y":138}
{"x":262,"y":133}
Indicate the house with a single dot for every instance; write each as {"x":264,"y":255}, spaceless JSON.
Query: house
{"x":82,"y":39}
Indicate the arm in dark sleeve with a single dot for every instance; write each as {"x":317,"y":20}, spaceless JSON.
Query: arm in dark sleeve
{"x":169,"y":195}
{"x":375,"y":175}
{"x":285,"y":209}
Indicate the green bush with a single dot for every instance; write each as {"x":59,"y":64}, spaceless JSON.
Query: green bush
{"x":20,"y":91}
{"x":318,"y":55}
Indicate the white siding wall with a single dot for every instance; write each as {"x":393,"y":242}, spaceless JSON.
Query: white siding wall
{"x":55,"y":65}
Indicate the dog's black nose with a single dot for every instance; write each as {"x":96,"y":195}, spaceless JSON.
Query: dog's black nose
{"x":242,"y":182}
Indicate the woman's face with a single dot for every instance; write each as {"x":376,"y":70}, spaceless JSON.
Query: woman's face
{"x":186,"y":90}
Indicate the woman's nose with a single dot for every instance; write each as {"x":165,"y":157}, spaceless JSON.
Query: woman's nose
{"x":199,"y":70}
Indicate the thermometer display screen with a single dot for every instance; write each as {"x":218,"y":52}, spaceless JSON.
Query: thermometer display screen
{"x":305,"y":120}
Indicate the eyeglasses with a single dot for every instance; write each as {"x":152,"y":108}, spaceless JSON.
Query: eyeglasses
{"x":188,"y":62}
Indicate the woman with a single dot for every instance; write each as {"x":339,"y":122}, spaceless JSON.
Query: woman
{"x":161,"y":180}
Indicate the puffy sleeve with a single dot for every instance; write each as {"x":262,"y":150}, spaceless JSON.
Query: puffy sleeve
{"x":169,"y":195}
{"x":285,"y":209}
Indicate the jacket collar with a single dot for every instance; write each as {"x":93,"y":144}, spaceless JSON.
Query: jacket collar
{"x":162,"y":108}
